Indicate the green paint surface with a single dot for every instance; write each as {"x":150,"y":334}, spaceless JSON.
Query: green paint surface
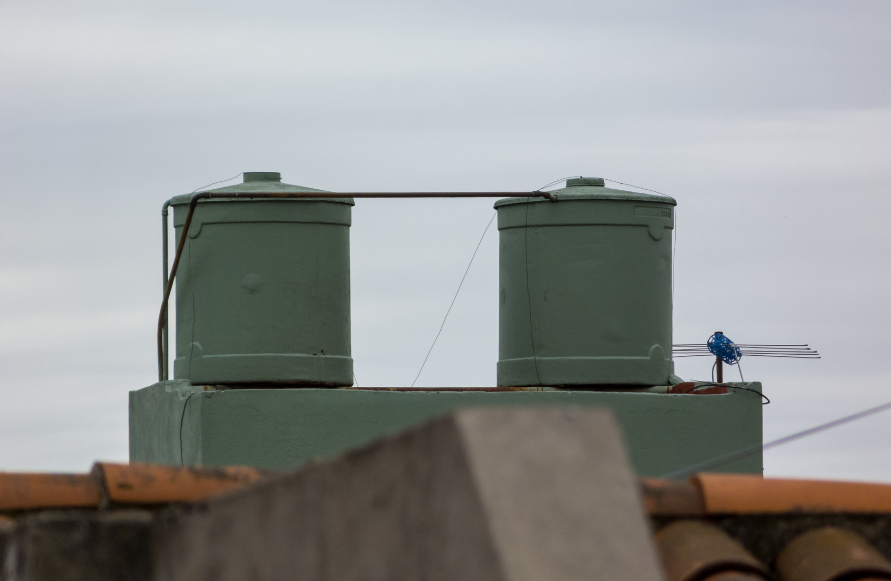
{"x":263,"y":289}
{"x":585,"y":288}
{"x":283,"y":428}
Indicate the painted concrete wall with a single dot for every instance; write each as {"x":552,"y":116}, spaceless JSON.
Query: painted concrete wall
{"x":282,"y":428}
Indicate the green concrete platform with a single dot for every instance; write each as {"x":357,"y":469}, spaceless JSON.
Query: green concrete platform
{"x":174,"y":422}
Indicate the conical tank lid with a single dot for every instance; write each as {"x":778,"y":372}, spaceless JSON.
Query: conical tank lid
{"x":584,"y":188}
{"x":260,"y":181}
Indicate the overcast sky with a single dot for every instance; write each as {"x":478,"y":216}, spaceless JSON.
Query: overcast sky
{"x":770,"y":123}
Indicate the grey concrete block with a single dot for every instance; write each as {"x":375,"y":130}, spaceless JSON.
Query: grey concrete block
{"x":81,"y":546}
{"x":483,"y":494}
{"x":8,"y":550}
{"x":560,"y":498}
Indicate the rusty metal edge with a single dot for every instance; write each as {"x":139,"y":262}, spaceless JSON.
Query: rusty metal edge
{"x":450,"y":389}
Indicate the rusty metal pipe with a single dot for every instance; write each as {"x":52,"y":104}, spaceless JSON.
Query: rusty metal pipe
{"x":168,"y":281}
{"x":164,"y":364}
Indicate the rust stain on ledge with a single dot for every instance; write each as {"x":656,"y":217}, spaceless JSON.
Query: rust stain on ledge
{"x":484,"y":389}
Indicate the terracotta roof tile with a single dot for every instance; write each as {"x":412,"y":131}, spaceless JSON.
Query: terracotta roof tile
{"x":34,"y":491}
{"x":110,"y":483}
{"x":831,"y":554}
{"x":748,"y":494}
{"x":671,"y":497}
{"x":734,"y":576}
{"x":693,"y":550}
{"x":159,"y":484}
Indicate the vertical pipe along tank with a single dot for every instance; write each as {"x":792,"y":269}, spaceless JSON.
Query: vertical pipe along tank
{"x":263,"y":289}
{"x":585,"y":287}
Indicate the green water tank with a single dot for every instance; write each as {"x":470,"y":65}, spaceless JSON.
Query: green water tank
{"x":263,"y":289}
{"x":585,"y":288}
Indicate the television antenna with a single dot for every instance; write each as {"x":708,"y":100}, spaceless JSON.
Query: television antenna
{"x":726,"y":351}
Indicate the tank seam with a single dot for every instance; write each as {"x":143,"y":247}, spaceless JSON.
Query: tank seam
{"x":529,"y":295}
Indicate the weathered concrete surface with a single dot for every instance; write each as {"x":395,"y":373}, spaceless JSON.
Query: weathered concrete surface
{"x":79,"y":545}
{"x":8,"y":553}
{"x":511,"y":494}
{"x":283,"y":428}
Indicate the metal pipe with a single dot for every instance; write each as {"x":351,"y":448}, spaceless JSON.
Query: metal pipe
{"x":164,"y":364}
{"x":341,"y":195}
{"x":168,"y":281}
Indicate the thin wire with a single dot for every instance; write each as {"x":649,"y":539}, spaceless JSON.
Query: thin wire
{"x":766,"y":399}
{"x":638,"y":187}
{"x":674,"y":259}
{"x":715,"y":364}
{"x":729,"y":386}
{"x":556,"y":182}
{"x":453,"y":299}
{"x":355,"y":381}
{"x":183,"y":417}
{"x":215,"y":183}
{"x":746,"y":452}
{"x":739,"y":368}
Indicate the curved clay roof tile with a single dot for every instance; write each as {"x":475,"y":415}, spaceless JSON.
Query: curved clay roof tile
{"x":831,"y":554}
{"x":693,"y":550}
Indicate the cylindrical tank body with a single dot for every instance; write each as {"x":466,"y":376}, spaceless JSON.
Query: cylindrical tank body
{"x":263,"y":288}
{"x":585,"y":287}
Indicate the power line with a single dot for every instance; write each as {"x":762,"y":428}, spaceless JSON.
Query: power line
{"x":215,"y":183}
{"x":453,"y":299}
{"x":542,"y":188}
{"x":746,"y":452}
{"x":638,"y":187}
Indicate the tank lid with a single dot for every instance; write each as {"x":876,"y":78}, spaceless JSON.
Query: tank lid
{"x":262,"y":176}
{"x":575,"y":182}
{"x":260,"y":181}
{"x":583,"y":188}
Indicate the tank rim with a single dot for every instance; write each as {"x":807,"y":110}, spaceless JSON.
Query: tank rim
{"x":591,"y":193}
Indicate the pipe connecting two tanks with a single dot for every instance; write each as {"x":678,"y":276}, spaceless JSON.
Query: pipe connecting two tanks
{"x":263,"y":294}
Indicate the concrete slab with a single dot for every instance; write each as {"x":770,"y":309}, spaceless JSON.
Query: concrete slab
{"x":80,"y":545}
{"x":284,"y":428}
{"x":506,"y":494}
